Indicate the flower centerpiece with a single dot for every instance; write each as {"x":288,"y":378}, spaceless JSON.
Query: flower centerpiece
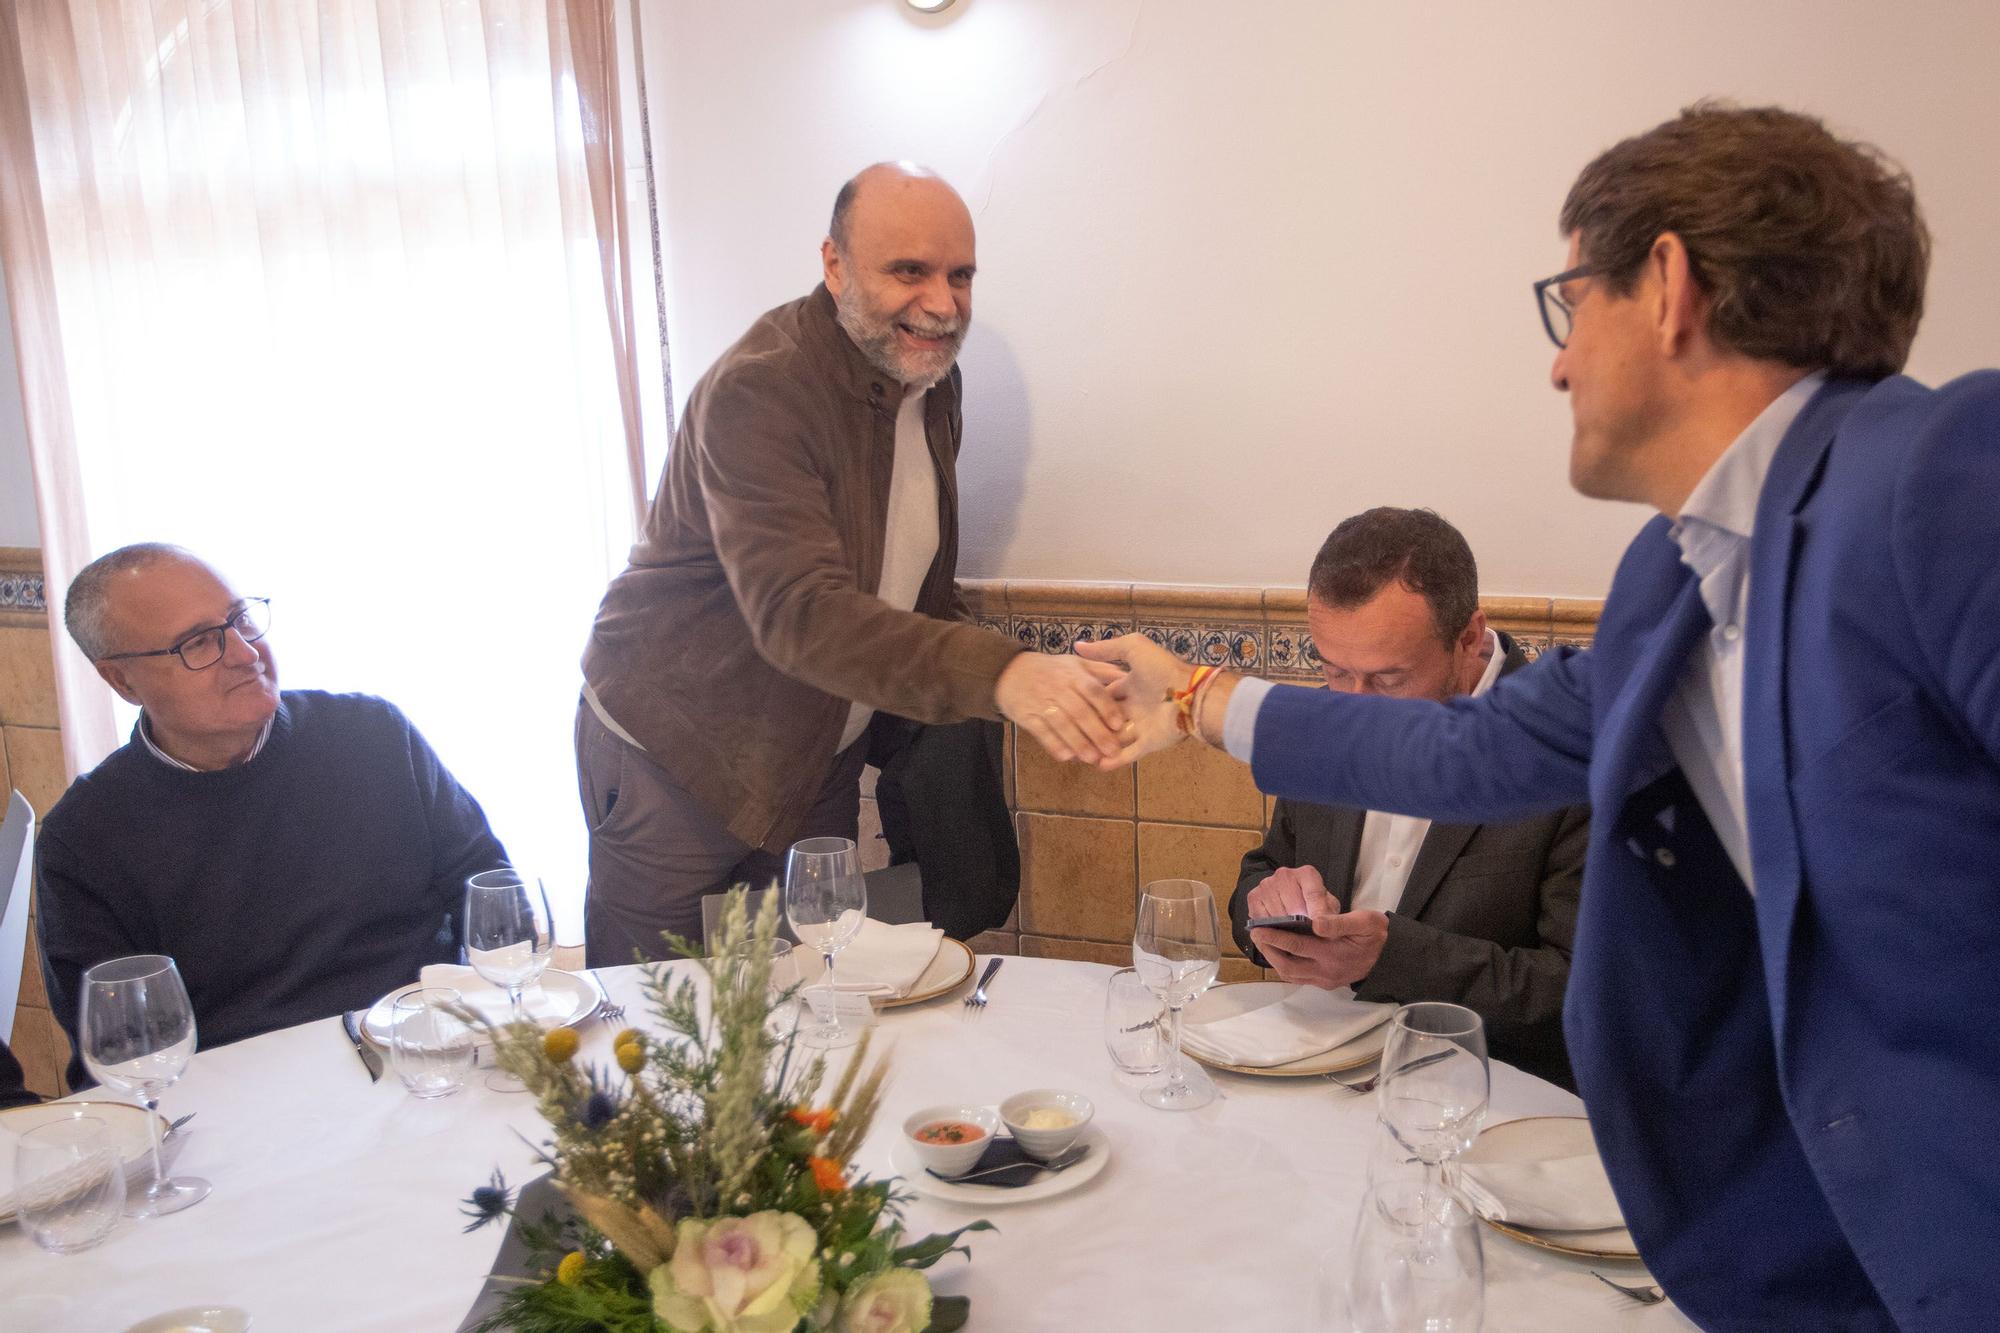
{"x":709,"y":1181}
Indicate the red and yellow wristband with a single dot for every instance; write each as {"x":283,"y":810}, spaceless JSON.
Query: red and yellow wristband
{"x":1184,"y":700}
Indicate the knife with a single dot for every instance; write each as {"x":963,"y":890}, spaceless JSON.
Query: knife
{"x":371,"y":1059}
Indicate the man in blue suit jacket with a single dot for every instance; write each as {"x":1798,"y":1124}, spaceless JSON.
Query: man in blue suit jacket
{"x":1782,"y":1005}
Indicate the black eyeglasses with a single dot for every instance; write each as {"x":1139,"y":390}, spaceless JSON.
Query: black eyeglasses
{"x":1557,"y":313}
{"x":204,"y":648}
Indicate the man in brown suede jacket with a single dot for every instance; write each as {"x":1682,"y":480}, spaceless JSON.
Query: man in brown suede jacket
{"x":796,"y":574}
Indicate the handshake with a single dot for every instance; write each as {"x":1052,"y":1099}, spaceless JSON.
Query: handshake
{"x":1112,"y":702}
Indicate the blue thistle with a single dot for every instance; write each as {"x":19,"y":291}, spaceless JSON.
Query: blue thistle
{"x":600,"y":1107}
{"x":488,"y":1203}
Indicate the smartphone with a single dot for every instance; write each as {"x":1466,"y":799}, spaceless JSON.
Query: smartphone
{"x":1296,"y":923}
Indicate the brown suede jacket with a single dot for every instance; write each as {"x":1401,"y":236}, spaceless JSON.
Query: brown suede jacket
{"x":746,"y":619}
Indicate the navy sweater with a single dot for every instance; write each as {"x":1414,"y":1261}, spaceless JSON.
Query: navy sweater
{"x":313,"y":879}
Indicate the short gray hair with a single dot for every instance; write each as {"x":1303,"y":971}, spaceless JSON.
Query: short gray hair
{"x":87,"y":607}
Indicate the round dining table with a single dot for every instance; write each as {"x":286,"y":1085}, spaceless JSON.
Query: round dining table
{"x":336,"y":1199}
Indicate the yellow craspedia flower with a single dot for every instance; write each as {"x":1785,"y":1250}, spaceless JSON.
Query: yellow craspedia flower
{"x":570,"y":1271}
{"x":560,"y":1044}
{"x":631,"y":1057}
{"x":628,"y":1037}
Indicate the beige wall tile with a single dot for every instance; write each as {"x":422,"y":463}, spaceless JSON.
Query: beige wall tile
{"x":995,"y":941}
{"x":1082,"y":951}
{"x":27,"y":678}
{"x":1197,"y":784}
{"x":1211,"y":855}
{"x":35,"y":765}
{"x":42,"y":1050}
{"x":1076,"y":876}
{"x":1045,"y":786}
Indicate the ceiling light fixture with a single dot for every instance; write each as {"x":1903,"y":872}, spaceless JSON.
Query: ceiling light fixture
{"x":930,"y":6}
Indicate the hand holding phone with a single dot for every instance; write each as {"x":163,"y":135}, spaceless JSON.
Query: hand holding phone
{"x":1297,"y":923}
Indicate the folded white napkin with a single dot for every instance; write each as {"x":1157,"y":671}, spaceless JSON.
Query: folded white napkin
{"x":1309,"y":1021}
{"x":883,"y":960}
{"x":1561,"y":1193}
{"x":490,"y":1001}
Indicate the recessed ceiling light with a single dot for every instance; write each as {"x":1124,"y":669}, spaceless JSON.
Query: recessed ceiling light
{"x":930,"y":6}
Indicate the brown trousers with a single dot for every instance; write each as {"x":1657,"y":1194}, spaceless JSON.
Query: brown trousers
{"x":655,"y":852}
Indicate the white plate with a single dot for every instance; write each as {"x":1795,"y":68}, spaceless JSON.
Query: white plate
{"x":196,"y":1319}
{"x":1545,"y":1138}
{"x":564,"y":1000}
{"x":128,"y":1129}
{"x":948,"y":969}
{"x":1241,"y":997}
{"x":904,"y":1159}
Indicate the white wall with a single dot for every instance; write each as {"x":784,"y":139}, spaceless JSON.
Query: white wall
{"x":17,"y":491}
{"x":1246,"y":268}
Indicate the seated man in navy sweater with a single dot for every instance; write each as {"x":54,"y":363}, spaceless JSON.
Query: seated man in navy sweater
{"x":298,"y":854}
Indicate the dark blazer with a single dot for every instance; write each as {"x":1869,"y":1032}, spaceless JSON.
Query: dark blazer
{"x":1487,"y":918}
{"x":13,"y":1083}
{"x":942,"y":798}
{"x":1770,"y":1077}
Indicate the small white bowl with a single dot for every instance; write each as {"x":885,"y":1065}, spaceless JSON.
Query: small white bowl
{"x":952,"y":1159}
{"x":1043,"y":1144}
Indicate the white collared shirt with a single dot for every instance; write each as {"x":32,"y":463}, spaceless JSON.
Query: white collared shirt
{"x":146,"y":735}
{"x":1703,"y":718}
{"x":1389,"y":843}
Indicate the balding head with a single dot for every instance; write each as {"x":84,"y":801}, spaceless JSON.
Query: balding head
{"x":898,"y":259}
{"x":169,"y":634}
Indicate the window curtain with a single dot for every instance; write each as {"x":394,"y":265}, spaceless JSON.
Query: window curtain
{"x":337,"y":294}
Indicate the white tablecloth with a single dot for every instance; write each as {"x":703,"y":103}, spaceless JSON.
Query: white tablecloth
{"x":335,"y":1200}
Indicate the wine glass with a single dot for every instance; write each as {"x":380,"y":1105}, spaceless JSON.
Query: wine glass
{"x":509,"y":937}
{"x":826,"y":900}
{"x":1416,"y":1265}
{"x":137,"y":1031}
{"x":1176,"y":949}
{"x":1434,"y":1083}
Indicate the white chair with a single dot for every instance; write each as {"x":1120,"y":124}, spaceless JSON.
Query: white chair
{"x":17,"y":867}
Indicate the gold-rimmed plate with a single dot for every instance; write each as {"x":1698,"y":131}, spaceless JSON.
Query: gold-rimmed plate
{"x":127,"y":1125}
{"x":949,"y":969}
{"x":1238,"y":997}
{"x":1534,"y":1138}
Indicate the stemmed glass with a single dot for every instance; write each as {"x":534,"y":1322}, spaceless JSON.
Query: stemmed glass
{"x":826,"y":900}
{"x":1434,"y":1083}
{"x":509,"y":937}
{"x":138,"y":1034}
{"x":1176,"y":949}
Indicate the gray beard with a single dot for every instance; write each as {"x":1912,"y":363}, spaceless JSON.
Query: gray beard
{"x":878,"y":345}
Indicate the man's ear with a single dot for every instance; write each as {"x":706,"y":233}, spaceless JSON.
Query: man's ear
{"x":1473,"y":637}
{"x":114,"y":676}
{"x":1680,"y":307}
{"x":830,"y":266}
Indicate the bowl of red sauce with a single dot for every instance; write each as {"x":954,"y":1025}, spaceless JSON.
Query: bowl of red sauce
{"x":951,"y":1139}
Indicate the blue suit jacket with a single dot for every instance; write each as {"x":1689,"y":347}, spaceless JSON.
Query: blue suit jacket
{"x":1798,"y":1095}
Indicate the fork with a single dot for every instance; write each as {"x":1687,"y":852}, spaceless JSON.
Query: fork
{"x":976,"y":1002}
{"x":1643,"y":1295}
{"x":1368,"y":1084}
{"x":610,"y":1012}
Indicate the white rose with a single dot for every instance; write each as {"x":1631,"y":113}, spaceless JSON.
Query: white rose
{"x":896,"y":1300}
{"x":754,"y":1274}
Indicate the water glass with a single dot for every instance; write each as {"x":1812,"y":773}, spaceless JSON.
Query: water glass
{"x":430,"y":1047}
{"x":1133,"y":1019}
{"x":1416,"y":1265}
{"x":69,"y":1183}
{"x":1176,"y":949}
{"x":826,"y":901}
{"x":137,"y":1032}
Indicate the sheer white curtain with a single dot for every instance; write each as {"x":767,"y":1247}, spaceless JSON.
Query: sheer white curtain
{"x":333,"y":293}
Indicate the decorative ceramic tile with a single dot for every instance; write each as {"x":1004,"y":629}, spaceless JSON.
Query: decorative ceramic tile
{"x":1290,"y":654}
{"x":1238,"y":647}
{"x":21,"y":592}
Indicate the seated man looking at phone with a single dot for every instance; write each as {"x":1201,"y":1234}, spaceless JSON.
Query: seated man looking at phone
{"x":1400,"y":908}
